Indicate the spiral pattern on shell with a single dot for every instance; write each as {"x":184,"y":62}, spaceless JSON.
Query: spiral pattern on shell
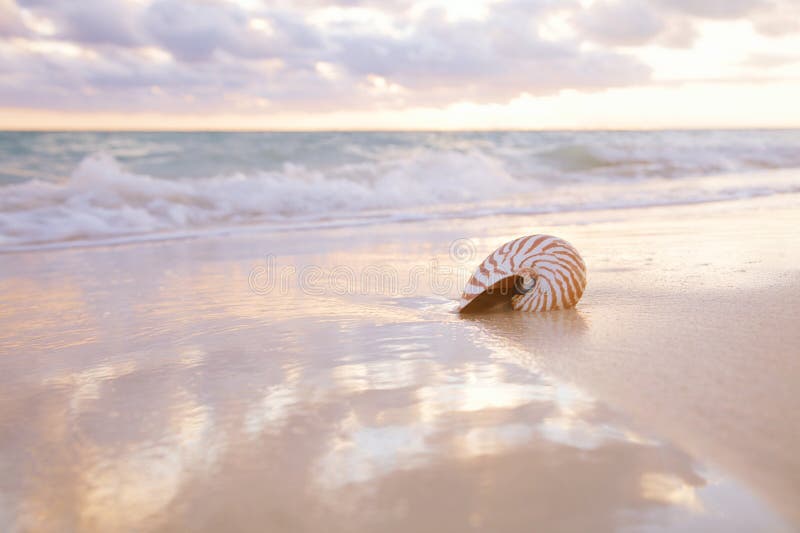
{"x":538,"y":272}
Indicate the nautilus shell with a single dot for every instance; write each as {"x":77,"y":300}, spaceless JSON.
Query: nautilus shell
{"x":536,"y":272}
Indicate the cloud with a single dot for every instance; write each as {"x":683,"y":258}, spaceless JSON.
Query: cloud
{"x":395,"y":6}
{"x":771,"y":61}
{"x":182,"y":55}
{"x":99,"y":21}
{"x":193,"y":31}
{"x":216,"y":56}
{"x":88,"y":21}
{"x":714,"y":9}
{"x":778,"y":18}
{"x":491,"y":60}
{"x":620,"y":23}
{"x":11,"y":24}
{"x":634,"y":23}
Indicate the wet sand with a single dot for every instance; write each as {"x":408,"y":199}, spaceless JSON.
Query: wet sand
{"x":319,"y":381}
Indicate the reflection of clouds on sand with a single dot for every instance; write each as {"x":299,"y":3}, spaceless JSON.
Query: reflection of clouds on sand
{"x":480,"y":441}
{"x":271,"y":412}
{"x":359,"y":453}
{"x":340,"y":444}
{"x":513,"y":337}
{"x":670,"y":489}
{"x":112,"y":463}
{"x":477,"y":387}
{"x":572,"y":431}
{"x":380,"y":374}
{"x":85,"y":385}
{"x":25,"y":327}
{"x":224,"y":411}
{"x":143,"y":479}
{"x":572,"y":423}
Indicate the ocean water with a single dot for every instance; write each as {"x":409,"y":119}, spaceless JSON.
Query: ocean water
{"x":71,"y":189}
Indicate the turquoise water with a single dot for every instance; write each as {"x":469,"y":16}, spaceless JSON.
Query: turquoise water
{"x":78,"y":188}
{"x":55,"y":155}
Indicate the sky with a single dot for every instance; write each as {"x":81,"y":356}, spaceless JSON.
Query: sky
{"x":399,"y":64}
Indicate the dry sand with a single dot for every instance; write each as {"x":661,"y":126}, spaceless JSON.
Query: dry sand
{"x":168,"y":386}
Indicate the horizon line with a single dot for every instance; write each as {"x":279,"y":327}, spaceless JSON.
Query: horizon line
{"x":394,"y":130}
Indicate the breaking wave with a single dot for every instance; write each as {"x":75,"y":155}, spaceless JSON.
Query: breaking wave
{"x":103,"y":200}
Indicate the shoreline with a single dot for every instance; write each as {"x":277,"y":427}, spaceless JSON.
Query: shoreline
{"x":434,"y":213}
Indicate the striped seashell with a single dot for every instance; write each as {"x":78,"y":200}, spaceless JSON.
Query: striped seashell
{"x":537,"y":272}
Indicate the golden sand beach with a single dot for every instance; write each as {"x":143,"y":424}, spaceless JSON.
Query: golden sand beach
{"x":320,"y":380}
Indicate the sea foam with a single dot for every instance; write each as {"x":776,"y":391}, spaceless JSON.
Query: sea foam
{"x":344,"y":179}
{"x":101,"y":199}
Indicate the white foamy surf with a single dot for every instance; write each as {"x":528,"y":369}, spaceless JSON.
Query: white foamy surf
{"x":367,"y":178}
